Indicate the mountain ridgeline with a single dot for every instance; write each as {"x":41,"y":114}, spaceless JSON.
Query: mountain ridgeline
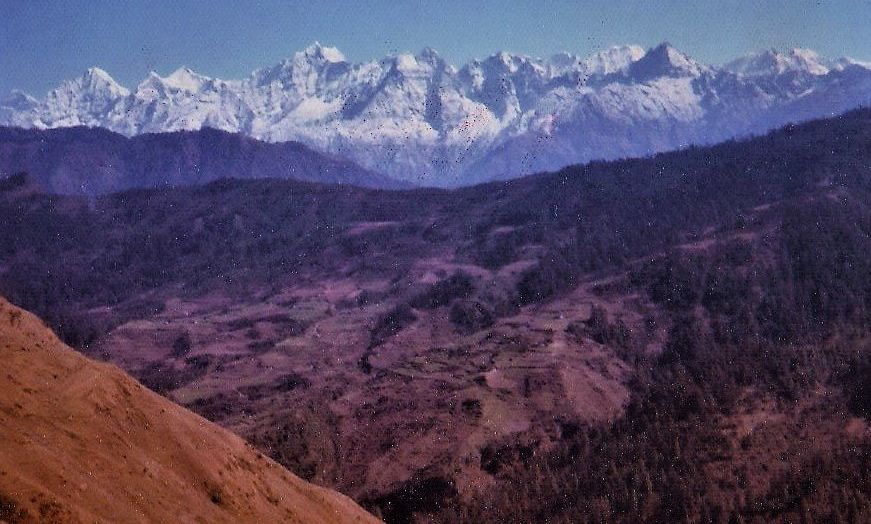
{"x":683,"y":337}
{"x":420,"y":119}
{"x":95,"y":161}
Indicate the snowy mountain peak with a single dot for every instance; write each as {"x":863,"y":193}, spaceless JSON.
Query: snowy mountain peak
{"x":517,"y":61}
{"x":322,"y":54}
{"x":613,"y":60}
{"x":97,"y":74}
{"x":305,"y":73}
{"x":504,"y":64}
{"x":94,"y":84}
{"x":845,"y":62}
{"x":96,"y":79}
{"x":809,"y":60}
{"x":152,"y":82}
{"x":83,"y":101}
{"x":429,"y":54}
{"x":405,"y":62}
{"x":434,"y":60}
{"x":505,"y":58}
{"x":664,"y":60}
{"x":19,"y":101}
{"x":771,"y":62}
{"x":427,"y":63}
{"x":184,"y":79}
{"x":564,"y":61}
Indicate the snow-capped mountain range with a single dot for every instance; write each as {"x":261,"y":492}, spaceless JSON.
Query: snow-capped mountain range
{"x":420,"y":119}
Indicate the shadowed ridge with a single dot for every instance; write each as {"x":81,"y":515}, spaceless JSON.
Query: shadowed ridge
{"x":20,"y":183}
{"x":94,"y":161}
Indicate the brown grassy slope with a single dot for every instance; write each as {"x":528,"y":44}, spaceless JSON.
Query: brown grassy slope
{"x":84,"y":442}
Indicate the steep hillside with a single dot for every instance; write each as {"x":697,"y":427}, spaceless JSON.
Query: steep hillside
{"x":84,"y":442}
{"x":95,"y":161}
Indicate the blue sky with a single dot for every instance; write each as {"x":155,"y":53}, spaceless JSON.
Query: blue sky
{"x":43,"y":43}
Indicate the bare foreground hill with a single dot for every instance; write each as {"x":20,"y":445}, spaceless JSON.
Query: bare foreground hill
{"x":677,"y":338}
{"x":84,"y":442}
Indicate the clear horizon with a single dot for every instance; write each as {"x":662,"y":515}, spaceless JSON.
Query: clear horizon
{"x":45,"y":44}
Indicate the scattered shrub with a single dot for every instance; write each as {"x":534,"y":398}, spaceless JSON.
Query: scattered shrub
{"x":458,"y":285}
{"x":390,"y":324}
{"x":181,"y":346}
{"x":470,"y":316}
